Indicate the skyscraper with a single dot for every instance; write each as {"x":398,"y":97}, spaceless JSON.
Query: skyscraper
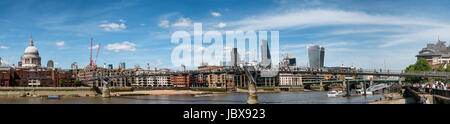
{"x":235,"y":59}
{"x":316,"y":56}
{"x":322,"y":56}
{"x":265,"y":55}
{"x":183,"y":68}
{"x":122,"y":66}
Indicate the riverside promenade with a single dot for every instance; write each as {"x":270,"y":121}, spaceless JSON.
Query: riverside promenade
{"x":46,"y":91}
{"x":432,"y":95}
{"x":92,"y":92}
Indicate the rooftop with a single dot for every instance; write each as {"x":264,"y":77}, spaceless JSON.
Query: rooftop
{"x":438,"y":49}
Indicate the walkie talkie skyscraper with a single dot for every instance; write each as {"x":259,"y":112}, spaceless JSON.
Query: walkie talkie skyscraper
{"x":316,"y":56}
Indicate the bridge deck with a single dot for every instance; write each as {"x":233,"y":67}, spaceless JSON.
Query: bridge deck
{"x":239,"y":72}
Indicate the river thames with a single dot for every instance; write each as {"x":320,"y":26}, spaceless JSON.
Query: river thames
{"x":234,"y":98}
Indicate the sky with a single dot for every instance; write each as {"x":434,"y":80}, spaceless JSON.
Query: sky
{"x":362,"y":33}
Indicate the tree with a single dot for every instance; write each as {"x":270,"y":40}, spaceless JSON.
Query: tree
{"x":77,"y":83}
{"x":62,"y":82}
{"x":420,"y":66}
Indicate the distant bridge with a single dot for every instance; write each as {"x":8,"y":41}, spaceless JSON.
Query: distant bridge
{"x":375,"y":81}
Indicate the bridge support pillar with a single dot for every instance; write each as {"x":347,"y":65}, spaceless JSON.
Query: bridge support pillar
{"x":371,"y":82}
{"x":347,"y":88}
{"x":344,"y":85}
{"x":106,"y":92}
{"x":321,"y":86}
{"x":364,"y":88}
{"x":252,"y":96}
{"x":400,"y":81}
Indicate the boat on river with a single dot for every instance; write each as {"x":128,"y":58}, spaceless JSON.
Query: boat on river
{"x":334,"y":93}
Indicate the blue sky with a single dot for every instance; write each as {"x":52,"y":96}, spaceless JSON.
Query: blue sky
{"x":363,"y":33}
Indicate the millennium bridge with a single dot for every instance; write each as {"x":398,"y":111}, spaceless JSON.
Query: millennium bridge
{"x":252,"y":72}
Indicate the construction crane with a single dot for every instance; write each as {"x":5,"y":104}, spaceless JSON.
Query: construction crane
{"x":93,"y":63}
{"x":96,"y":56}
{"x":90,"y":58}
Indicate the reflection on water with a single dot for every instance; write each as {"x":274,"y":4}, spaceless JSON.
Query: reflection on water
{"x":236,"y":98}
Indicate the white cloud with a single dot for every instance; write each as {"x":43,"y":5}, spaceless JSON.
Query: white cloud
{"x":327,"y":45}
{"x":295,"y":46}
{"x":60,"y":44}
{"x":4,"y":47}
{"x":142,"y":24}
{"x":363,"y":31}
{"x":216,"y":14}
{"x":125,"y":46}
{"x":94,"y":47}
{"x":113,"y":26}
{"x":339,"y":44}
{"x":164,"y":23}
{"x":122,"y":21}
{"x":417,"y":36}
{"x":318,"y":17}
{"x":221,"y":25}
{"x":410,"y":29}
{"x":183,"y":22}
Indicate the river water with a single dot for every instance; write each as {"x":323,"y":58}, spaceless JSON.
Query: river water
{"x":235,"y":98}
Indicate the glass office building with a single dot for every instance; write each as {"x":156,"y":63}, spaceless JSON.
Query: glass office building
{"x":316,"y":55}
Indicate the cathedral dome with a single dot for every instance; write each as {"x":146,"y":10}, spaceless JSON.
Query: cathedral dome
{"x":32,"y":50}
{"x":31,"y":57}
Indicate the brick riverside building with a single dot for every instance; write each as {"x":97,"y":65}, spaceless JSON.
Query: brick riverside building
{"x":182,"y":81}
{"x":6,"y":76}
{"x":87,"y":73}
{"x":216,"y":80}
{"x":35,"y":77}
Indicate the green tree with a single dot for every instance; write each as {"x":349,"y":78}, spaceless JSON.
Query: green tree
{"x":62,"y":82}
{"x":420,"y":66}
{"x":77,"y":83}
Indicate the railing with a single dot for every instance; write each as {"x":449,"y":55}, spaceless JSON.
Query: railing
{"x":415,"y":89}
{"x":444,"y":93}
{"x":375,"y":71}
{"x":444,"y":75}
